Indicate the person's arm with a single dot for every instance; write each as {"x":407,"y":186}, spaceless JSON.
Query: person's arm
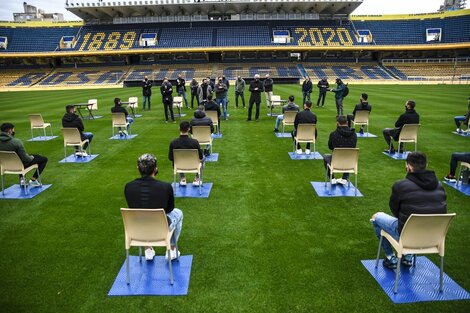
{"x":296,"y":121}
{"x":212,"y":126}
{"x":199,"y":150}
{"x":80,"y":125}
{"x":24,"y":156}
{"x":394,"y":202}
{"x":400,"y":122}
{"x":171,"y":200}
{"x":252,"y":87}
{"x":330,"y":142}
{"x":170,"y":152}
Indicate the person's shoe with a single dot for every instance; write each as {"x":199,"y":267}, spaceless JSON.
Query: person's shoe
{"x":183,"y":182}
{"x":125,"y":133}
{"x":407,"y":260}
{"x":34,"y":183}
{"x":450,"y":178}
{"x":197,"y":182}
{"x":390,"y":263}
{"x":276,"y":130}
{"x":299,"y":151}
{"x":172,"y":254}
{"x":342,"y":181}
{"x":334,"y":181}
{"x":23,"y":182}
{"x":149,"y":254}
{"x":391,"y":151}
{"x":458,"y":130}
{"x":83,"y":154}
{"x":78,"y":153}
{"x":361,"y":131}
{"x":207,"y":152}
{"x":307,"y":151}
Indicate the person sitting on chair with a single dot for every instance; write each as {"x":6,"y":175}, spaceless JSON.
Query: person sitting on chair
{"x":463,"y":120}
{"x":409,"y":117}
{"x":118,"y":108}
{"x":454,"y":160}
{"x":148,"y":193}
{"x":420,"y":193}
{"x":201,"y":119}
{"x":210,"y":105}
{"x":304,"y":117}
{"x":290,"y":106}
{"x":185,"y":142}
{"x":362,"y":106}
{"x":72,"y":120}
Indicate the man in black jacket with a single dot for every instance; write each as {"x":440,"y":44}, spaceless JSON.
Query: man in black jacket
{"x":304,"y":117}
{"x":420,"y":193}
{"x":323,"y":87}
{"x":185,"y":142}
{"x":167,"y":96}
{"x":201,"y":119}
{"x":181,"y":88}
{"x":409,"y":117}
{"x":118,"y":108}
{"x":194,"y":87}
{"x":256,"y":87}
{"x":342,"y":137}
{"x":268,"y":89}
{"x":307,"y":88}
{"x":362,"y":106}
{"x":146,"y":91}
{"x":72,"y":120}
{"x":148,"y":193}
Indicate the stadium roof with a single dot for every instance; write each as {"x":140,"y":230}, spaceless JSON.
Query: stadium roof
{"x":108,"y":10}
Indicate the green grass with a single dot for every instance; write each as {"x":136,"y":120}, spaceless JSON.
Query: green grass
{"x":262,"y":242}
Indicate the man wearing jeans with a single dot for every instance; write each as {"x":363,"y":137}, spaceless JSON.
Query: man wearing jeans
{"x":221,"y":91}
{"x":454,"y":160}
{"x":72,"y":120}
{"x":148,"y":193}
{"x":290,"y":106}
{"x":420,"y":193}
{"x":146,"y":91}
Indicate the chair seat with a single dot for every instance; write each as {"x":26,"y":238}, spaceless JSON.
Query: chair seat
{"x":21,"y":172}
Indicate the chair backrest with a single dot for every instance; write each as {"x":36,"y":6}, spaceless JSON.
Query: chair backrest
{"x":186,"y":159}
{"x":275,"y":100}
{"x":71,"y":136}
{"x":178,"y":101}
{"x":144,"y":225}
{"x":213,"y":116}
{"x":36,"y":120}
{"x":94,"y":104}
{"x":133,"y":102}
{"x":361,"y":117}
{"x":289,"y":117}
{"x":409,"y":132}
{"x":119,"y":119}
{"x":426,"y":231}
{"x":306,"y":132}
{"x":202,"y":134}
{"x":345,"y":159}
{"x":10,"y":161}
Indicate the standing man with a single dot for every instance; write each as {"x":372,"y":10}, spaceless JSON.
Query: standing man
{"x":323,"y":87}
{"x":290,"y":106}
{"x":148,"y":193}
{"x":167,"y":96}
{"x":268,"y":89}
{"x":227,"y":83}
{"x":8,"y":142}
{"x":362,"y":106}
{"x":72,"y":120}
{"x":340,"y":93}
{"x":118,"y":108}
{"x":239,"y":91}
{"x":307,"y":88}
{"x":204,"y":90}
{"x":304,"y":117}
{"x":342,"y":137}
{"x":194,"y":87}
{"x":146,"y":91}
{"x":420,"y":193}
{"x":409,"y":117}
{"x":256,"y":87}
{"x":181,"y":88}
{"x":221,"y":91}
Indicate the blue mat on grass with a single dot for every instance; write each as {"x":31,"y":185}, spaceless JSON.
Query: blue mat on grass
{"x":463,"y":188}
{"x":303,"y":156}
{"x":152,"y":278}
{"x":416,"y":284}
{"x":95,"y":117}
{"x":42,"y":138}
{"x":396,"y":156}
{"x":214,"y":157}
{"x":128,"y":137}
{"x":337,"y":190}
{"x":190,"y":191}
{"x":15,"y":192}
{"x":76,"y":159}
{"x":464,"y":134}
{"x":366,"y":135}
{"x":283,"y":135}
{"x":214,"y":136}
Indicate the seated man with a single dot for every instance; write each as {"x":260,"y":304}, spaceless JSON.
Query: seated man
{"x":290,"y":106}
{"x":463,"y":119}
{"x":409,"y":117}
{"x":342,"y":137}
{"x":200,"y":119}
{"x":185,"y":142}
{"x":362,"y":106}
{"x":118,"y":108}
{"x":8,"y":142}
{"x":72,"y":120}
{"x":210,"y":105}
{"x":420,"y":193}
{"x":148,"y":193}
{"x":304,"y":117}
{"x":454,"y":160}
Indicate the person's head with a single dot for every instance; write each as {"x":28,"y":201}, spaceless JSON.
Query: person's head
{"x":339,"y":81}
{"x":209,"y":97}
{"x":307,"y":105}
{"x":204,"y":81}
{"x":364,"y":97}
{"x":220,"y":80}
{"x":8,"y":128}
{"x":410,"y":105}
{"x":291,"y":98}
{"x":267,"y":75}
{"x":184,"y":127}
{"x":416,"y":161}
{"x":117,"y":102}
{"x":146,"y":78}
{"x":307,"y":77}
{"x":240,"y":78}
{"x":341,"y":120}
{"x":201,"y":108}
{"x":256,"y":76}
{"x":147,"y":165}
{"x":324,"y":79}
{"x":165,"y":80}
{"x":180,"y":75}
{"x":223,"y":76}
{"x":70,"y":109}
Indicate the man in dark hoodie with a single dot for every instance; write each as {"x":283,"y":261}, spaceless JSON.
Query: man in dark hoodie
{"x":201,"y":119}
{"x":118,"y":108}
{"x":420,"y":193}
{"x":307,"y":88}
{"x":342,"y":137}
{"x":362,"y":106}
{"x":8,"y":142}
{"x":72,"y":120}
{"x":409,"y":117}
{"x":323,"y":86}
{"x":304,"y":117}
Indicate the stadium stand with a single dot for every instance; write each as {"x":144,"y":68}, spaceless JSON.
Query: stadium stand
{"x":430,"y":70}
{"x":347,"y":71}
{"x":22,"y":77}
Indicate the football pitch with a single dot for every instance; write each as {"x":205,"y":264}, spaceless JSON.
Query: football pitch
{"x":262,"y":242}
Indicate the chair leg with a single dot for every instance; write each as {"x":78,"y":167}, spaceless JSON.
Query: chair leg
{"x":65,"y":153}
{"x":128,"y":281}
{"x":174,"y":183}
{"x":414,"y":260}
{"x":140,"y":254}
{"x":355,"y":184}
{"x":397,"y":276}
{"x":44,"y":129}
{"x":331,"y":178}
{"x":171,"y":267}
{"x":458,"y":176}
{"x":3,"y":185}
{"x":32,"y":134}
{"x":200,"y":182}
{"x":378,"y":252}
{"x":441,"y":275}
